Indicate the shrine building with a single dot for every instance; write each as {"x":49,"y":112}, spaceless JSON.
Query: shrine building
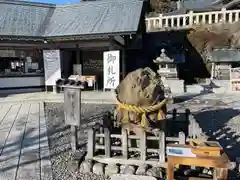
{"x":81,"y":32}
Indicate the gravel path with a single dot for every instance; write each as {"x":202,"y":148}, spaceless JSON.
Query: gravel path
{"x":59,"y":136}
{"x":219,"y":120}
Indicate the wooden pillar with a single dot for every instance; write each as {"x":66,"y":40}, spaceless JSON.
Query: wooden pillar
{"x":78,"y":58}
{"x":78,"y":54}
{"x":123,"y":63}
{"x":111,"y":46}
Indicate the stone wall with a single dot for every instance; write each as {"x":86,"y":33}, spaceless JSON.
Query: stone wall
{"x":177,"y":87}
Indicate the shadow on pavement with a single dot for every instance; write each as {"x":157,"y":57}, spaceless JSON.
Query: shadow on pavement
{"x":187,"y":97}
{"x":219,"y":126}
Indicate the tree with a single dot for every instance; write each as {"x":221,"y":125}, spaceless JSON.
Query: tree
{"x":160,"y":6}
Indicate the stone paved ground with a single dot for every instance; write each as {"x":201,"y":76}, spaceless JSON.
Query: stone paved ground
{"x":24,"y":151}
{"x":219,"y":117}
{"x":94,"y":97}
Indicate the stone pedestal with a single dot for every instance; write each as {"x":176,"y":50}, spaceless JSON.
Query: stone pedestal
{"x":176,"y":85}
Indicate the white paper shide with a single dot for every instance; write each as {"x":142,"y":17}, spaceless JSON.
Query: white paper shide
{"x":111,"y":69}
{"x":52,"y":66}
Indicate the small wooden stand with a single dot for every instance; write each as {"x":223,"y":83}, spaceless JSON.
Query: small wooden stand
{"x":72,"y":110}
{"x":220,"y":163}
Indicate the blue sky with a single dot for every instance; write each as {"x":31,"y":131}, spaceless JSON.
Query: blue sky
{"x":55,"y":1}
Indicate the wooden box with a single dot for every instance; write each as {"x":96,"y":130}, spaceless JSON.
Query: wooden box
{"x":208,"y":148}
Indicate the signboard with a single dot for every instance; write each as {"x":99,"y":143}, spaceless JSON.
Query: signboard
{"x":7,"y":53}
{"x":111,"y":69}
{"x":235,"y":73}
{"x":52,"y":66}
{"x":77,"y":69}
{"x":235,"y":84}
{"x":72,"y":106}
{"x":235,"y":79}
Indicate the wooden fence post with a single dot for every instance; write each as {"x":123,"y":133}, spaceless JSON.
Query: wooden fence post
{"x":161,"y":141}
{"x":101,"y":131}
{"x":174,"y":114}
{"x":107,"y":142}
{"x":195,"y":129}
{"x":74,"y":138}
{"x":182,"y":138}
{"x":143,"y":144}
{"x":190,"y":126}
{"x":91,"y":143}
{"x":200,"y":131}
{"x":125,"y":143}
{"x":187,"y":114}
{"x":187,"y":121}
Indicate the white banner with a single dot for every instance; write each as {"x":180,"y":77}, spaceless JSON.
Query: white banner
{"x":52,"y":66}
{"x":111,"y":69}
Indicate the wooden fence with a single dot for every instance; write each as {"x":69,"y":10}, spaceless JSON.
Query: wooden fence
{"x":185,"y":21}
{"x":125,"y":148}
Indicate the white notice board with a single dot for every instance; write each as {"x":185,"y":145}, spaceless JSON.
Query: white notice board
{"x":111,"y":68}
{"x":52,"y":66}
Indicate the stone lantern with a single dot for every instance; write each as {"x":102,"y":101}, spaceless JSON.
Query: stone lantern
{"x":167,"y":66}
{"x":168,"y":72}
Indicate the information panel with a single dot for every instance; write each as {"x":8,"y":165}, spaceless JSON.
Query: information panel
{"x":235,"y":79}
{"x":52,"y":66}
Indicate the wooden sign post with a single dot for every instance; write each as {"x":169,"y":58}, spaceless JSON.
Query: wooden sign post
{"x":72,"y":110}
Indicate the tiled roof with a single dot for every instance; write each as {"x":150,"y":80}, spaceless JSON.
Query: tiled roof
{"x":93,"y":17}
{"x":20,"y":18}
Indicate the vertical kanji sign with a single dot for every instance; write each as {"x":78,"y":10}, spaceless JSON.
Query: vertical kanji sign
{"x":111,"y":69}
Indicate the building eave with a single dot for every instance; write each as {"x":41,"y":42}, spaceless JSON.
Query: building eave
{"x":21,"y":38}
{"x":42,"y":39}
{"x":88,"y":36}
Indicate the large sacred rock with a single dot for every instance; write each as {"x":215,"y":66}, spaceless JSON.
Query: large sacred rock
{"x":141,"y":88}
